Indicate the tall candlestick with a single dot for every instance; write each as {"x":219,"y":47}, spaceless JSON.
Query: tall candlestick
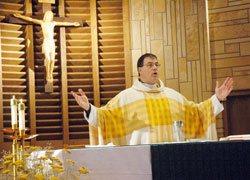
{"x":13,"y":104}
{"x":21,"y":109}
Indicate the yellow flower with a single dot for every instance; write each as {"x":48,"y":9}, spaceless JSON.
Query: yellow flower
{"x":1,"y":167}
{"x":75,"y":176}
{"x":40,"y":167}
{"x":34,"y":147}
{"x":26,"y":154}
{"x":54,"y":178}
{"x":44,"y":158}
{"x":67,"y":151}
{"x":56,"y":159}
{"x":48,"y":152}
{"x":38,"y":176}
{"x":55,"y":166}
{"x":6,"y":171}
{"x":7,"y":162}
{"x":82,"y":170}
{"x":8,"y":157}
{"x":60,"y":170}
{"x":18,"y":162}
{"x":70,"y":161}
{"x":23,"y":176}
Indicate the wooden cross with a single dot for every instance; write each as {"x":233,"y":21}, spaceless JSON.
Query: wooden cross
{"x":48,"y":43}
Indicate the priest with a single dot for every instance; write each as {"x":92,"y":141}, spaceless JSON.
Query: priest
{"x":145,"y":113}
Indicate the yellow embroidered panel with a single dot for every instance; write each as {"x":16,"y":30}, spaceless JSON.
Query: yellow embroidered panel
{"x":156,"y":112}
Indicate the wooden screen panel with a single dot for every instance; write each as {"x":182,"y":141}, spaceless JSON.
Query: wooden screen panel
{"x":48,"y":105}
{"x":111,"y":49}
{"x":13,"y":62}
{"x":8,"y":7}
{"x":79,"y":68}
{"x":13,"y":67}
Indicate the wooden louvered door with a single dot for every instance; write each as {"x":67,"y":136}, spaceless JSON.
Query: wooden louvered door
{"x":94,"y":57}
{"x":79,"y":68}
{"x":13,"y":64}
{"x":111,"y":49}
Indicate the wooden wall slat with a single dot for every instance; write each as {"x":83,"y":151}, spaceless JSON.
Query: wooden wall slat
{"x":64,"y":84}
{"x":30,"y":72}
{"x":1,"y":92}
{"x":95,"y":57}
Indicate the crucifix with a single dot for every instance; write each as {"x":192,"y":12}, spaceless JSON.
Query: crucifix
{"x":48,"y":46}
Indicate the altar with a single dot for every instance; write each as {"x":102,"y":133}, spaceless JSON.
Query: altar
{"x":111,"y":163}
{"x":175,"y":161}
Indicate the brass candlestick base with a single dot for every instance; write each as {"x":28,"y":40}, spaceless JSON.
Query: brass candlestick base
{"x":17,"y":136}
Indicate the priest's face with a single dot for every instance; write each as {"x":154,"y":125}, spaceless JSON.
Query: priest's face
{"x":149,"y":72}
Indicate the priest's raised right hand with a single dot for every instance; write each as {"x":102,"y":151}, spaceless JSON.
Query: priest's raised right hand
{"x":81,"y":99}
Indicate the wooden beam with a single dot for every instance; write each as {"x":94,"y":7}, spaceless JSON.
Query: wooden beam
{"x":30,"y":72}
{"x":46,"y":7}
{"x":1,"y":96}
{"x":127,"y":43}
{"x":95,"y":53}
{"x":64,"y":82}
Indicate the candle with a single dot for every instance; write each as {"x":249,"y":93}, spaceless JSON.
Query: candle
{"x":21,"y":109}
{"x":13,"y":104}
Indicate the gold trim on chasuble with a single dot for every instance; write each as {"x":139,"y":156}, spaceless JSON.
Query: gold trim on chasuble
{"x":157,"y":112}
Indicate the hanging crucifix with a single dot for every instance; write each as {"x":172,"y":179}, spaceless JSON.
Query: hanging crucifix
{"x":48,"y":46}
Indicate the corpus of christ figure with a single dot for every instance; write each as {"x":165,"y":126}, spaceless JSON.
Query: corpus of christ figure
{"x":48,"y":46}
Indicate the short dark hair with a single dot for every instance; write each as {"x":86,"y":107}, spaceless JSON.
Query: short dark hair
{"x":141,"y":59}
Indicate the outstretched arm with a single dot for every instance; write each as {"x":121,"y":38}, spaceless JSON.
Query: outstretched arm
{"x":67,"y":23}
{"x":224,"y":90}
{"x":26,"y":18}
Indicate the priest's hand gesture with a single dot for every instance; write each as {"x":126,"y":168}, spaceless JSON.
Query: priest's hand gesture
{"x":224,"y":90}
{"x":81,"y":99}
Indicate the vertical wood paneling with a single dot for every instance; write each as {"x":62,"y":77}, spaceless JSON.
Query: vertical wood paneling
{"x":202,"y":58}
{"x":178,"y":28}
{"x":158,"y":50}
{"x":151,"y":19}
{"x":31,"y":84}
{"x":143,"y":37}
{"x":127,"y":43}
{"x":194,"y":80}
{"x":1,"y":92}
{"x":183,"y":70}
{"x":136,"y":34}
{"x":95,"y":57}
{"x":31,"y":72}
{"x":137,"y":9}
{"x":169,"y":62}
{"x":159,"y":6}
{"x":174,"y":36}
{"x":158,"y":26}
{"x":192,"y":37}
{"x":183,"y":33}
{"x":64,"y":84}
{"x":199,"y":82}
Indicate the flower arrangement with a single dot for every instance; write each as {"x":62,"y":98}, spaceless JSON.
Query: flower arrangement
{"x":29,"y":165}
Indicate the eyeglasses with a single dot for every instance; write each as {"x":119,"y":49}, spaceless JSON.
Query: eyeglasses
{"x":150,"y":64}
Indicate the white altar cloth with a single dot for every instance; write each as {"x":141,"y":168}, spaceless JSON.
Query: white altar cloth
{"x":111,"y":163}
